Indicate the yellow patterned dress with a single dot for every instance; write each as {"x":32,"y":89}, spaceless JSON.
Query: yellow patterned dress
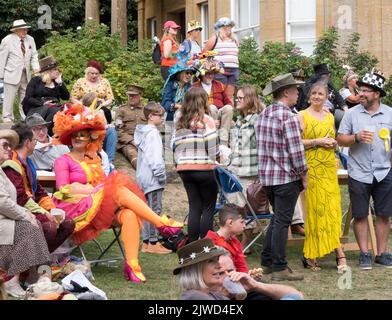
{"x":323,"y":209}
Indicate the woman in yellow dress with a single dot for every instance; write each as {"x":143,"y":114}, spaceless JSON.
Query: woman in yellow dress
{"x":323,"y":209}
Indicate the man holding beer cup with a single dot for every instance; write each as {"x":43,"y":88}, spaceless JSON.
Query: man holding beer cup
{"x":366,"y":130}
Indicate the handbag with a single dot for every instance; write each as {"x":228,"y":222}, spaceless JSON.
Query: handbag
{"x":257,"y":198}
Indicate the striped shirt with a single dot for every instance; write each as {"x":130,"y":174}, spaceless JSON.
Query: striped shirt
{"x":281,"y":152}
{"x":196,"y":149}
{"x":227,"y":53}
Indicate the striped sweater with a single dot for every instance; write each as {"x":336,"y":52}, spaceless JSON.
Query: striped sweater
{"x":227,"y":53}
{"x":196,"y":149}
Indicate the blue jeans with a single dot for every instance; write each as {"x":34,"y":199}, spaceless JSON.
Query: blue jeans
{"x":110,"y":142}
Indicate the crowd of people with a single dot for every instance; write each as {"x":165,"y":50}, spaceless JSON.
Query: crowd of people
{"x":289,"y":146}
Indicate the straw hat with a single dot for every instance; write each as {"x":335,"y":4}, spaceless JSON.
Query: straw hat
{"x":11,"y":136}
{"x":19,"y":24}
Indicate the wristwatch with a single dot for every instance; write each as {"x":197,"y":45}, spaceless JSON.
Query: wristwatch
{"x":356,"y":138}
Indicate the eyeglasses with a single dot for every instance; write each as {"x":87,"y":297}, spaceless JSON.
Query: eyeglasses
{"x":189,"y":73}
{"x":366,"y":90}
{"x":6,"y":146}
{"x":238,"y":98}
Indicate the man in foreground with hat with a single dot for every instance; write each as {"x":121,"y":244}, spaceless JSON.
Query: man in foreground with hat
{"x":44,"y":152}
{"x":17,"y":52}
{"x":366,"y":130}
{"x":128,"y":116}
{"x":282,"y":170}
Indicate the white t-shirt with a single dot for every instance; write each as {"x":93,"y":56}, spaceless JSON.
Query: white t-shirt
{"x":207,"y":87}
{"x":345,"y":93}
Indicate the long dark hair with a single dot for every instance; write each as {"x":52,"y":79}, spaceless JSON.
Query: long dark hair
{"x":194,"y":108}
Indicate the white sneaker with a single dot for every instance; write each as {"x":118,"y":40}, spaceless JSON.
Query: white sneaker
{"x":7,"y":120}
{"x":14,"y":290}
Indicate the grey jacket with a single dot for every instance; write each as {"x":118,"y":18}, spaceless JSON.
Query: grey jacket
{"x":9,"y":210}
{"x":151,"y":171}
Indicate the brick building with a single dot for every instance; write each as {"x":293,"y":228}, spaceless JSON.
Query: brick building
{"x":299,"y":21}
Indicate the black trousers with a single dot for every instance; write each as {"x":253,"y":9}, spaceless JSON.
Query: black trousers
{"x":202,"y":191}
{"x":283,"y":199}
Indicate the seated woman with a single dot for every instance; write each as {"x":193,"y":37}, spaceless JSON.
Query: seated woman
{"x":44,"y":92}
{"x":22,"y":242}
{"x":30,"y":194}
{"x":94,"y":201}
{"x":94,"y":82}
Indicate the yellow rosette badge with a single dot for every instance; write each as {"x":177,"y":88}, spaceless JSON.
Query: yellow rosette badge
{"x":385,"y":134}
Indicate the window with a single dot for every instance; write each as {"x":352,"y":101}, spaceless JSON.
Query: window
{"x":152,"y":30}
{"x":205,"y":22}
{"x":246,"y":14}
{"x":301,"y":24}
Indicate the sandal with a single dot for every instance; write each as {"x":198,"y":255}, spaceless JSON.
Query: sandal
{"x":342,"y":268}
{"x":314,"y":266}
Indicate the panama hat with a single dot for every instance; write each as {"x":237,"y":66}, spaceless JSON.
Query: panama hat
{"x":279,"y":82}
{"x":19,"y":24}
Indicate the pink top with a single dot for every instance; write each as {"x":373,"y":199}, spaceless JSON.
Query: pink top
{"x":68,"y":171}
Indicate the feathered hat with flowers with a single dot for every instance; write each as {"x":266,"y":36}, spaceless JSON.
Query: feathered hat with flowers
{"x":76,"y":118}
{"x":206,"y":62}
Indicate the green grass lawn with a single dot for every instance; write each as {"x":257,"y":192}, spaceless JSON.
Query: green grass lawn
{"x":324,"y":284}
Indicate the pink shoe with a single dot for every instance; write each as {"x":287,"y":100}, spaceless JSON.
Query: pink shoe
{"x":170,"y":226}
{"x":134,"y":274}
{"x":169,"y":231}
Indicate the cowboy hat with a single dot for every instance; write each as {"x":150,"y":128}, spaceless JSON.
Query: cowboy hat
{"x":375,"y":81}
{"x":19,"y":24}
{"x":196,"y":252}
{"x":279,"y":82}
{"x":35,"y":119}
{"x":11,"y":136}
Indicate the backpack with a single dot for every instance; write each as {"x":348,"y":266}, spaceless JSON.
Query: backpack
{"x":156,"y":54}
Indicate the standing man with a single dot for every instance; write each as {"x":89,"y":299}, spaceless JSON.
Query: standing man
{"x":17,"y":53}
{"x":127,"y":117}
{"x":282,"y":170}
{"x":366,"y":130}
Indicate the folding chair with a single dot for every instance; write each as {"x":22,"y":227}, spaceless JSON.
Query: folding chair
{"x":229,"y":184}
{"x":116,"y":231}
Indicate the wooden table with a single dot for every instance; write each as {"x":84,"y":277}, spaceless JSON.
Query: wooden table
{"x":47,"y":179}
{"x":345,"y":239}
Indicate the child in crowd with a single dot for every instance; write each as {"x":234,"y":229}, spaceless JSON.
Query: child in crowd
{"x":151,"y":172}
{"x":231,"y":224}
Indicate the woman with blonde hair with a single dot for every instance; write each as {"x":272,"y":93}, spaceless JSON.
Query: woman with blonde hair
{"x":169,"y":47}
{"x":225,"y":43}
{"x":323,"y":208}
{"x":243,"y":137}
{"x":45,"y":91}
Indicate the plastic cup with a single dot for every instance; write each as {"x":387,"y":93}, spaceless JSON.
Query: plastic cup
{"x":235,"y":288}
{"x":372,"y":130}
{"x":59,"y":214}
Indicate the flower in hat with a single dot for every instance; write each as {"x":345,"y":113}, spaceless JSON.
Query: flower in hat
{"x":75,"y":118}
{"x":206,"y":62}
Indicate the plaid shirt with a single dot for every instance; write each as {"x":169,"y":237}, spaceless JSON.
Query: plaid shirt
{"x":243,"y":144}
{"x":280,"y":149}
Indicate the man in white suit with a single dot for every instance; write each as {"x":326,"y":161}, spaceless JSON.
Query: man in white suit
{"x":17,"y":53}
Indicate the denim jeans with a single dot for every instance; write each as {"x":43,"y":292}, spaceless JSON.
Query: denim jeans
{"x":154,"y":199}
{"x":110,"y":142}
{"x":283,"y":199}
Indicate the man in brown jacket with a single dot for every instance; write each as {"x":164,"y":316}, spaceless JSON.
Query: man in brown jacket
{"x":128,"y":116}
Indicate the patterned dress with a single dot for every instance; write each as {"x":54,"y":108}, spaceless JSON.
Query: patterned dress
{"x":323,"y":209}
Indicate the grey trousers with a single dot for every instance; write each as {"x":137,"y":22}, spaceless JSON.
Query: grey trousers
{"x":154,"y":199}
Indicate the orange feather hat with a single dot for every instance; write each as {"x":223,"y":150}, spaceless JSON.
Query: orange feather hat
{"x":75,"y":118}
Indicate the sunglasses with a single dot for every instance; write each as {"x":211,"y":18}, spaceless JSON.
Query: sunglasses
{"x":6,"y":146}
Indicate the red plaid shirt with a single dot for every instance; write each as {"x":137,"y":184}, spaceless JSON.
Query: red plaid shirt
{"x":281,"y":154}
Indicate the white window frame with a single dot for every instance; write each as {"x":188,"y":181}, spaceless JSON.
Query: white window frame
{"x":289,"y":23}
{"x":153,"y":27}
{"x":206,"y":24}
{"x":234,"y":17}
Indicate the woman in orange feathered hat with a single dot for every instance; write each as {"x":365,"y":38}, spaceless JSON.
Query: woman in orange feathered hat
{"x":94,"y":201}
